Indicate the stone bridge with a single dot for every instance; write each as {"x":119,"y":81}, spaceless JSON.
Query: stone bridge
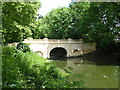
{"x":60,"y":47}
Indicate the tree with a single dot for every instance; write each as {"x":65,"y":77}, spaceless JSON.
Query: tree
{"x":81,"y":11}
{"x":35,"y":27}
{"x":63,"y":22}
{"x":99,"y":23}
{"x":59,"y":23}
{"x":16,"y":17}
{"x":104,"y":25}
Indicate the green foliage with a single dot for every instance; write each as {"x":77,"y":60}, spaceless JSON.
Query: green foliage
{"x":101,"y":22}
{"x":36,"y":30}
{"x":59,"y":23}
{"x":62,"y":23}
{"x":93,"y":21}
{"x":17,"y":66}
{"x":16,"y":17}
{"x":23,"y":47}
{"x":29,"y":70}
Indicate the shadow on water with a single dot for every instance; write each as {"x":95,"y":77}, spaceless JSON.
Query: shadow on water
{"x":98,"y":58}
{"x":98,"y":69}
{"x":101,"y":58}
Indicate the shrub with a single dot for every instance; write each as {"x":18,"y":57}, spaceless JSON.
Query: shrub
{"x":23,"y":47}
{"x":12,"y":76}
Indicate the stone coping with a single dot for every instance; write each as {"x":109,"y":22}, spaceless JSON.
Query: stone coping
{"x":53,"y":40}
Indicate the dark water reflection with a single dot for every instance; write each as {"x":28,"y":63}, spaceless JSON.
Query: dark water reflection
{"x":98,"y":70}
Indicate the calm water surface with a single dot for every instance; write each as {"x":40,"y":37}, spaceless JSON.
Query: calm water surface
{"x":98,"y":70}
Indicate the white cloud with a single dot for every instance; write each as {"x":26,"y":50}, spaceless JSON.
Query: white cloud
{"x":48,"y":5}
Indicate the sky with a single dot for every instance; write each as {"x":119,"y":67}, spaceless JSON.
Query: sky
{"x":48,"y":5}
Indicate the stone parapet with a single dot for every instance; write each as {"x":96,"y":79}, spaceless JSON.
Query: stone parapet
{"x":46,"y":40}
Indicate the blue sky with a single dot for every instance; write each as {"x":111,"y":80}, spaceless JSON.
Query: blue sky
{"x":48,"y":5}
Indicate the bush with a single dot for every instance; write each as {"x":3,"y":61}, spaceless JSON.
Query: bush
{"x":12,"y":76}
{"x":17,"y":66}
{"x":28,"y":70}
{"x":23,"y":47}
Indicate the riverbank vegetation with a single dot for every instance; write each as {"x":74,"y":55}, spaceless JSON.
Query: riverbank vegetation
{"x":29,"y":70}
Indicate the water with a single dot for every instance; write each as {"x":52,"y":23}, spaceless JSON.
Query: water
{"x":98,"y":70}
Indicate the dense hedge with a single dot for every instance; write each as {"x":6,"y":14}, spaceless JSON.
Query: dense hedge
{"x":29,"y":70}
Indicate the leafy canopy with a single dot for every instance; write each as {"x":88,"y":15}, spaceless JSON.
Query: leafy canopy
{"x":93,"y":21}
{"x":16,"y":17}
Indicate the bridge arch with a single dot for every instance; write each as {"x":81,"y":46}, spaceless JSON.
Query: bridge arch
{"x":39,"y":53}
{"x":58,"y":53}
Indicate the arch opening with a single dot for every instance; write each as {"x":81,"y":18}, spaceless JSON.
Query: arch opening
{"x":58,"y":53}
